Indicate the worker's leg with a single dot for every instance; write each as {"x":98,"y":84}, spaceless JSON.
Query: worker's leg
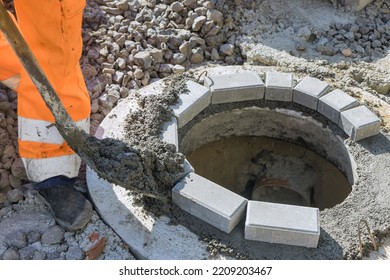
{"x":53,"y":31}
{"x":9,"y":64}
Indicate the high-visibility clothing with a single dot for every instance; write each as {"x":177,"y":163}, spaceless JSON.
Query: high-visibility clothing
{"x":9,"y":63}
{"x":52,"y":29}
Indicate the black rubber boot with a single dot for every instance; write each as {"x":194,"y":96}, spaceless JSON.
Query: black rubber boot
{"x":71,"y":209}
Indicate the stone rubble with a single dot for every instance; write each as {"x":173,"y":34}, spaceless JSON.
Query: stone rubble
{"x":36,"y":242}
{"x":134,"y":42}
{"x":367,"y":38}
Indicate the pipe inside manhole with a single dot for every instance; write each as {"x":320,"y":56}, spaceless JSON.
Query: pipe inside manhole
{"x":271,"y":170}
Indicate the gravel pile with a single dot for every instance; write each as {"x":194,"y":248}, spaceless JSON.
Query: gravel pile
{"x":368,"y":38}
{"x":129,"y":44}
{"x":11,"y":167}
{"x":329,"y":33}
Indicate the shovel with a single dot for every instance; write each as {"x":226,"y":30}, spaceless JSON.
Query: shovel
{"x":77,"y":139}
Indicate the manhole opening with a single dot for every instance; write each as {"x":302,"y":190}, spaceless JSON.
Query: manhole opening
{"x":267,"y":169}
{"x":271,"y":155}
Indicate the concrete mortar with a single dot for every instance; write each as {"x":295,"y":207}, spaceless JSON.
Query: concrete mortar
{"x":368,"y":200}
{"x":150,"y":166}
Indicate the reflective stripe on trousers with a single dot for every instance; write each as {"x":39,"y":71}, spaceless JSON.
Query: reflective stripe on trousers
{"x":45,"y":153}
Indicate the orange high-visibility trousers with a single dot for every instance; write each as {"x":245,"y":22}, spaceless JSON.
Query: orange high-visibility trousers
{"x":52,"y":29}
{"x":10,"y":67}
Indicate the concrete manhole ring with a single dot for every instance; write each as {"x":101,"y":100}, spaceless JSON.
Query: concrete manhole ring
{"x":150,"y":237}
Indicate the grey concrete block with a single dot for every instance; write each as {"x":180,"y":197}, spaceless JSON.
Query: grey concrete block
{"x":282,"y":223}
{"x":359,"y":123}
{"x":279,"y":86}
{"x":209,"y":202}
{"x":335,"y":102}
{"x":235,"y":87}
{"x":308,"y":91}
{"x":169,"y":133}
{"x":191,"y":104}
